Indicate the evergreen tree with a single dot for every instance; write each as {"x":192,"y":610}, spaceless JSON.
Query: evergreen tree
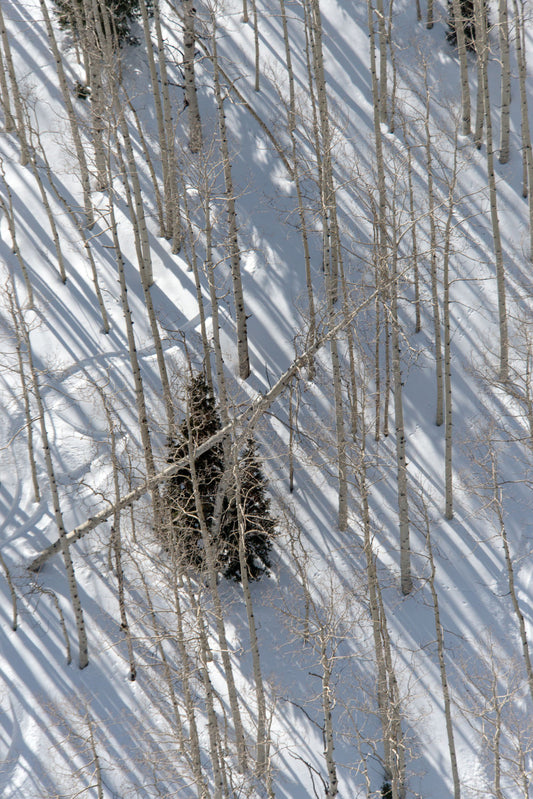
{"x":468,"y":21}
{"x":259,"y":526}
{"x":115,"y":16}
{"x":203,"y":422}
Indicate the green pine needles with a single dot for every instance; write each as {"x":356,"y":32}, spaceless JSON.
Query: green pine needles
{"x":109,"y":18}
{"x":245,"y":519}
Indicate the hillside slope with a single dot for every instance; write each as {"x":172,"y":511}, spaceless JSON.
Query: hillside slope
{"x":372,"y":246}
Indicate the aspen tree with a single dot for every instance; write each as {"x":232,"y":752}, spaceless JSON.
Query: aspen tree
{"x":429,"y":19}
{"x":46,"y":203}
{"x":162,"y":129}
{"x":441,"y":651}
{"x":505,"y":112}
{"x":5,"y":102}
{"x":331,"y":235}
{"x":205,"y":656}
{"x":193,"y":264}
{"x":83,"y":656}
{"x":149,"y":162}
{"x":53,"y":596}
{"x":73,"y":122}
{"x":382,"y":39}
{"x":140,"y":402}
{"x":83,"y":236}
{"x":330,"y":244}
{"x":210,"y":272}
{"x":235,"y":264}
{"x":14,"y":617}
{"x":401,"y":460}
{"x":191,"y":95}
{"x":498,"y":252}
{"x":116,"y":533}
{"x":439,"y":376}
{"x":9,"y":213}
{"x":175,"y":225}
{"x":295,"y":172}
{"x":256,"y":45}
{"x":380,"y":234}
{"x":290,"y":71}
{"x":448,"y":418}
{"x":386,"y":686}
{"x":414,"y":237}
{"x":19,"y":341}
{"x":159,"y":637}
{"x":498,"y":508}
{"x":187,"y":669}
{"x":17,"y":100}
{"x":142,"y":248}
{"x":207,"y":537}
{"x":463,"y":66}
{"x":527,"y":153}
{"x":98,"y":48}
{"x":262,"y":742}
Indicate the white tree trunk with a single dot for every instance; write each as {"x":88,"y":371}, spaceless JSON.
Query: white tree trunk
{"x":235,"y":261}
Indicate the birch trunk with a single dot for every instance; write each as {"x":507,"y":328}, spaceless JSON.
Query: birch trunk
{"x":218,"y":609}
{"x":448,"y":420}
{"x":439,"y":414}
{"x":505,"y":112}
{"x":140,"y":402}
{"x":463,"y":67}
{"x":17,"y":100}
{"x":498,"y":253}
{"x":199,"y":778}
{"x":290,"y":71}
{"x":401,"y":460}
{"x":19,"y":340}
{"x":83,"y":656}
{"x":235,"y":261}
{"x":262,"y":741}
{"x":191,"y":95}
{"x":73,"y":121}
{"x":142,"y":248}
{"x":213,"y":731}
{"x":498,"y":507}
{"x":164,"y":144}
{"x":442,"y":662}
{"x":527,"y":188}
{"x":5,"y":102}
{"x":7,"y":208}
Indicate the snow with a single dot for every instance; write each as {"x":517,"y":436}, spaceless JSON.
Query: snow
{"x":49,"y":709}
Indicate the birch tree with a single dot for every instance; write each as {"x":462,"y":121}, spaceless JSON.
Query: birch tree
{"x":498,"y":250}
{"x":83,"y":656}
{"x":233,"y":243}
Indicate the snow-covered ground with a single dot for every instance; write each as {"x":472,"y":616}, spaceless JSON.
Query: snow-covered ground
{"x":66,"y":732}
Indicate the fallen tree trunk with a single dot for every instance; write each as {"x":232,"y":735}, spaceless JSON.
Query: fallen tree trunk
{"x":249,"y":418}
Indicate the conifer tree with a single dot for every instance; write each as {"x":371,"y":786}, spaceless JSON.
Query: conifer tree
{"x":467,"y":20}
{"x":203,"y":422}
{"x":259,"y":526}
{"x":115,"y":15}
